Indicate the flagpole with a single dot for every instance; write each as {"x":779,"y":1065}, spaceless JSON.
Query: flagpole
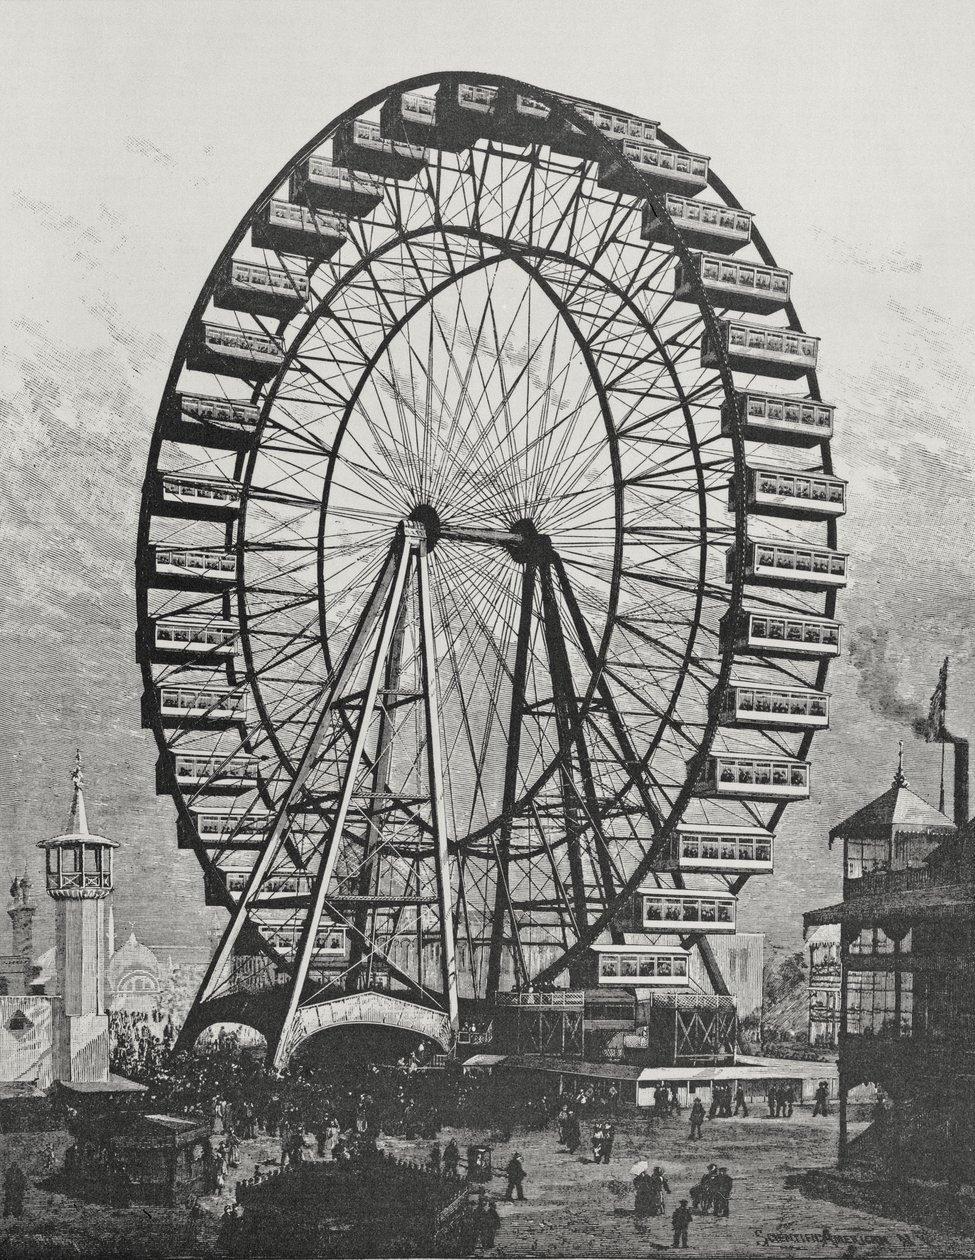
{"x":941,"y":797}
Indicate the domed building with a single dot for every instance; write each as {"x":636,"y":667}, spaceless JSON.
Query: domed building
{"x":135,"y":979}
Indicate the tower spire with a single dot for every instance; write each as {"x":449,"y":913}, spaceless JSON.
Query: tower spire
{"x":78,"y":821}
{"x":899,"y":778}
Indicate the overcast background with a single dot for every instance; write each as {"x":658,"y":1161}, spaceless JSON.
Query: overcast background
{"x":135,"y":136}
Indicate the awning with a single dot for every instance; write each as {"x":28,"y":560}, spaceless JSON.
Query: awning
{"x":942,"y":901}
{"x":574,"y":1067}
{"x":755,"y":1070}
{"x":484,"y":1060}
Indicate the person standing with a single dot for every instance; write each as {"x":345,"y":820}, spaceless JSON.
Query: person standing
{"x":573,"y":1133}
{"x":723,"y":1186}
{"x":773,"y":1090}
{"x":643,"y":1190}
{"x":658,"y":1188}
{"x":740,"y":1104}
{"x":697,"y":1119}
{"x":680,"y":1219}
{"x":715,"y":1100}
{"x":515,"y":1174}
{"x":789,"y":1098}
{"x":487,"y":1224}
{"x":14,"y":1189}
{"x":451,"y":1158}
{"x":821,"y":1104}
{"x":606,"y":1147}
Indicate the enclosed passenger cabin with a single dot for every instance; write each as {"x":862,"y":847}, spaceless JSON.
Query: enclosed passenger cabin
{"x":290,"y":229}
{"x":523,"y":120}
{"x":718,"y":850}
{"x":752,"y":348}
{"x":796,"y":566}
{"x":642,"y":966}
{"x":251,"y":356}
{"x":192,"y":568}
{"x":206,"y":772}
{"x":182,"y":638}
{"x":260,"y":290}
{"x":685,"y":910}
{"x":360,"y":144}
{"x":465,"y":112}
{"x":749,"y":777}
{"x":183,"y":705}
{"x":736,"y":286}
{"x":274,"y":888}
{"x":614,"y":126}
{"x":331,"y":940}
{"x":770,"y":491}
{"x":774,"y":708}
{"x":224,"y":423}
{"x":665,"y":170}
{"x":772,"y":418}
{"x":412,"y":117}
{"x":778,"y":633}
{"x":324,"y":186}
{"x":225,"y":828}
{"x":718,"y":229}
{"x":197,"y":498}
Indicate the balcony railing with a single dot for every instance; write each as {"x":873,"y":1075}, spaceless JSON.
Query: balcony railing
{"x":552,"y":997}
{"x":875,"y":883}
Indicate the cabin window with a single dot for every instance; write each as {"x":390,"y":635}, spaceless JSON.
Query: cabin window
{"x":763,"y":280}
{"x":779,"y":776}
{"x":738,"y":337}
{"x":763,"y":852}
{"x":730,"y":274}
{"x":609,"y":966}
{"x":756,"y":341}
{"x":741,"y":223}
{"x":727,"y":220}
{"x":756,"y":407}
{"x":665,"y":966}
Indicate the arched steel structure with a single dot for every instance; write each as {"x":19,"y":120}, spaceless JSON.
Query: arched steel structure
{"x":478,"y":569}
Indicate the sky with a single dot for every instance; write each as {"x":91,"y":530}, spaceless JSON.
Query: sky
{"x":136,"y":136}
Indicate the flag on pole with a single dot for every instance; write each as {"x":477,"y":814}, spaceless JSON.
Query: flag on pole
{"x":934,"y":728}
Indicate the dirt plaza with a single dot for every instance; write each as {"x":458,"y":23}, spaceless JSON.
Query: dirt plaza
{"x":572,"y":1207}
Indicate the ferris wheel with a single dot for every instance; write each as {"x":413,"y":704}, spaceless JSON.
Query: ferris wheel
{"x":487,"y":560}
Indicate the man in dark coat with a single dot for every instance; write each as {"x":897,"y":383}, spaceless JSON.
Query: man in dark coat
{"x":702,"y":1195}
{"x":697,"y":1119}
{"x":680,"y":1219}
{"x":515,"y":1174}
{"x":773,"y":1099}
{"x":451,"y":1158}
{"x":740,"y":1104}
{"x":821,"y":1104}
{"x":723,"y":1185}
{"x":487,"y":1223}
{"x":14,"y":1189}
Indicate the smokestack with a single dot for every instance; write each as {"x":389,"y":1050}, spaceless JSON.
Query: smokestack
{"x":961,"y":778}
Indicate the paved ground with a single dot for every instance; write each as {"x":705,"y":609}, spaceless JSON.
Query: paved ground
{"x":573,"y":1208}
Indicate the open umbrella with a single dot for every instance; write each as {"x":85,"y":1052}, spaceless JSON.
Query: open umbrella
{"x":640,"y":1167}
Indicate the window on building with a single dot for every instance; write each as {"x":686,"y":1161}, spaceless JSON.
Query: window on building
{"x":873,"y":1005}
{"x":864,"y":857}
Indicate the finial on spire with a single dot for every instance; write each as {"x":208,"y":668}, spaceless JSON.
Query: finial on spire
{"x":79,"y":819}
{"x":899,"y":779}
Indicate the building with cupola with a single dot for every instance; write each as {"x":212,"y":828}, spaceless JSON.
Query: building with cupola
{"x":906,"y":1008}
{"x":58,"y":1031}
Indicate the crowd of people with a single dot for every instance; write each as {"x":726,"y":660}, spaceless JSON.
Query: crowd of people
{"x":711,"y":1194}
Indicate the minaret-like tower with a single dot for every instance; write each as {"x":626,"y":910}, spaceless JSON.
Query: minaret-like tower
{"x":79,"y":879}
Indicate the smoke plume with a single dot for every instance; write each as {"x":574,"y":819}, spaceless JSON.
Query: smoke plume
{"x":879,"y":680}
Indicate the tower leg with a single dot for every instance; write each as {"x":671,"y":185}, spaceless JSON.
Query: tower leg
{"x":431,"y":708}
{"x":331,"y":845}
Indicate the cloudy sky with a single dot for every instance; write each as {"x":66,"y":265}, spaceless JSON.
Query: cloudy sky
{"x":135,"y":137}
